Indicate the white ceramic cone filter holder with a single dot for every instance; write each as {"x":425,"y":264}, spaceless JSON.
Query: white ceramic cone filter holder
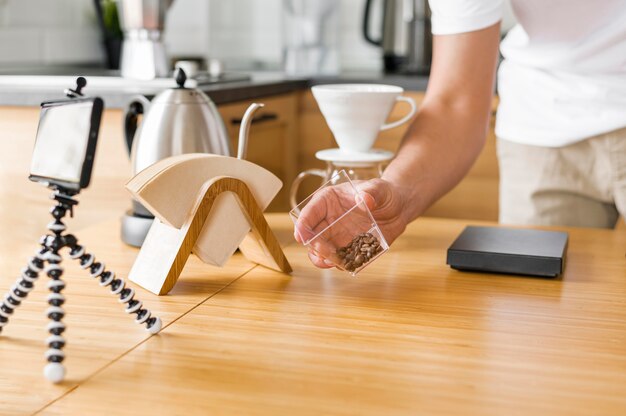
{"x":356,"y":113}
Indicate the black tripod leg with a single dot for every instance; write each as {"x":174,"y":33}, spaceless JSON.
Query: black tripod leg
{"x":23,"y":285}
{"x":107,"y":278}
{"x":54,"y":370}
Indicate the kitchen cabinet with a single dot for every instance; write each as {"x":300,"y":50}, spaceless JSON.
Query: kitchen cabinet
{"x":273,"y":139}
{"x":476,"y":197}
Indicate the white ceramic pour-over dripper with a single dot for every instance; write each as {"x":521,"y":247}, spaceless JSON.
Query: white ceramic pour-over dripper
{"x":356,"y":113}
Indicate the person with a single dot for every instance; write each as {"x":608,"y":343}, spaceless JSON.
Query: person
{"x":560,"y":126}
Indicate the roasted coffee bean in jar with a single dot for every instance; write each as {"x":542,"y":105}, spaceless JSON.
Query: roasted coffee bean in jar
{"x":363,"y":248}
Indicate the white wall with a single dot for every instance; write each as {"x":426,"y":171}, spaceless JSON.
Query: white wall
{"x":48,"y":32}
{"x":187,"y":28}
{"x":244,"y":33}
{"x":248,"y":33}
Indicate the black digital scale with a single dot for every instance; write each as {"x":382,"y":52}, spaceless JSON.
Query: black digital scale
{"x":509,"y":250}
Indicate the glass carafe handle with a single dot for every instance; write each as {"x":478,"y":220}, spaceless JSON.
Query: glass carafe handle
{"x":293,"y":193}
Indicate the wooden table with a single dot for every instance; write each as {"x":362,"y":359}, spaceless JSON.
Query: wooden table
{"x":408,"y":336}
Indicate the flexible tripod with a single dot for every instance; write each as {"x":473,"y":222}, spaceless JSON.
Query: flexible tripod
{"x":48,"y":260}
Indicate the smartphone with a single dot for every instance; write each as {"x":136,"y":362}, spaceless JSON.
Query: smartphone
{"x":65,"y":145}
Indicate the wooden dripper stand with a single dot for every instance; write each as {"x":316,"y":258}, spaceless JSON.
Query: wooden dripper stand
{"x":209,"y":205}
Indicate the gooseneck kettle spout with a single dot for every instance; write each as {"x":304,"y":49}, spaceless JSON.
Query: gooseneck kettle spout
{"x":244,"y":130}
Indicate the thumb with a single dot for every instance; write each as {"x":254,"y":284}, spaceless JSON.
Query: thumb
{"x":375,"y":193}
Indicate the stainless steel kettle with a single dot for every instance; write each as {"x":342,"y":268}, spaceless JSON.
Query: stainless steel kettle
{"x":178,"y":120}
{"x":406,"y":37}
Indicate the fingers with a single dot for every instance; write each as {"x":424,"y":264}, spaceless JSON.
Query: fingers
{"x":331,"y":203}
{"x":325,"y":206}
{"x":376,"y":194}
{"x":369,"y":200}
{"x":320,"y":225}
{"x":310,"y":218}
{"x":320,"y":261}
{"x":296,"y":235}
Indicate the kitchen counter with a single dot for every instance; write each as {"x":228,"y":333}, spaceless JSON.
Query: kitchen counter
{"x":407,"y":336}
{"x":34,"y":85}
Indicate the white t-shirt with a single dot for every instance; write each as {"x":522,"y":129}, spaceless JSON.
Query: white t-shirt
{"x":563,"y":77}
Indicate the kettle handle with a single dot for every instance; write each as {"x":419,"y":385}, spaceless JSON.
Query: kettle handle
{"x":366,"y":21}
{"x":137,"y":105}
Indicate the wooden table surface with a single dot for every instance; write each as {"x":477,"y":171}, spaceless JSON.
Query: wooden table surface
{"x":408,"y":336}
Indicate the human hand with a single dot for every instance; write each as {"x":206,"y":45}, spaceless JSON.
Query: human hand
{"x":385,"y":201}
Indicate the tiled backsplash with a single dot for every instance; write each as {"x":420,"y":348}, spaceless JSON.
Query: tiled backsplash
{"x":242,"y":33}
{"x":249,"y":32}
{"x":48,"y":31}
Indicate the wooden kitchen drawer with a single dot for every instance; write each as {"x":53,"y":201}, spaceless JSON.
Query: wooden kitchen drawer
{"x":272,"y":142}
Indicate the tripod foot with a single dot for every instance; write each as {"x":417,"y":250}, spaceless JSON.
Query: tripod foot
{"x":22,"y":287}
{"x":126,"y":295}
{"x":54,"y":372}
{"x":155,"y":327}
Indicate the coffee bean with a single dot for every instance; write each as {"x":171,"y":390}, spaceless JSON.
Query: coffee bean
{"x":359,"y":251}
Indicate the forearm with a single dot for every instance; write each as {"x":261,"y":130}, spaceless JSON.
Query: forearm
{"x":436,"y":153}
{"x":450,"y":130}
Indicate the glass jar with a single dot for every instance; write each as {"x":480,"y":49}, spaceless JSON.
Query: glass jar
{"x":344,"y":233}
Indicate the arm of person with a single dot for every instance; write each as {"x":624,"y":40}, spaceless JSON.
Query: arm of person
{"x":445,"y":138}
{"x":450,"y":130}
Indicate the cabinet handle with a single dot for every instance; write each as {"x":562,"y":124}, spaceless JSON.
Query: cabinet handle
{"x":258,"y":119}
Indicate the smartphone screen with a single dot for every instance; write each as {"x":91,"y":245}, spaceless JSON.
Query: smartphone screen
{"x":62,"y":141}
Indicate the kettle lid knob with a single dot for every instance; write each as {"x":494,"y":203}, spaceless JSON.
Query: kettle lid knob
{"x":180,"y":77}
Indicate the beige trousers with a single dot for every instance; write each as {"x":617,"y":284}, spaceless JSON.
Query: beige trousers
{"x":583,"y":184}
